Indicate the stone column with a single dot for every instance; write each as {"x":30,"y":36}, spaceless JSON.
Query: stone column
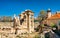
{"x":0,"y":36}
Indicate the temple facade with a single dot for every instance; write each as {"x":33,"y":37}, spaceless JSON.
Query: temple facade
{"x":25,"y":22}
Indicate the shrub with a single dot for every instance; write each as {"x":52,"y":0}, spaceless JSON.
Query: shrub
{"x":36,"y":36}
{"x":53,"y":25}
{"x":18,"y":36}
{"x":37,"y":29}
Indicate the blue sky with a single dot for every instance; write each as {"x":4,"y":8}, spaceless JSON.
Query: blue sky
{"x":11,"y":7}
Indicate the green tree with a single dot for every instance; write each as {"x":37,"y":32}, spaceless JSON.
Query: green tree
{"x":41,"y":18}
{"x":42,"y":15}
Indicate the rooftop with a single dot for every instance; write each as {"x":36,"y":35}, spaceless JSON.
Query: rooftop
{"x":55,"y":16}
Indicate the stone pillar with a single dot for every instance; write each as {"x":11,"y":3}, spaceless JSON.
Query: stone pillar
{"x":33,"y":22}
{"x":0,"y":36}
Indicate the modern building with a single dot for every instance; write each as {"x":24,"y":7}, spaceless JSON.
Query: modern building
{"x":52,"y":18}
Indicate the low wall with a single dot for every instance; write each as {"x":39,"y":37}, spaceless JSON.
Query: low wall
{"x":6,"y":24}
